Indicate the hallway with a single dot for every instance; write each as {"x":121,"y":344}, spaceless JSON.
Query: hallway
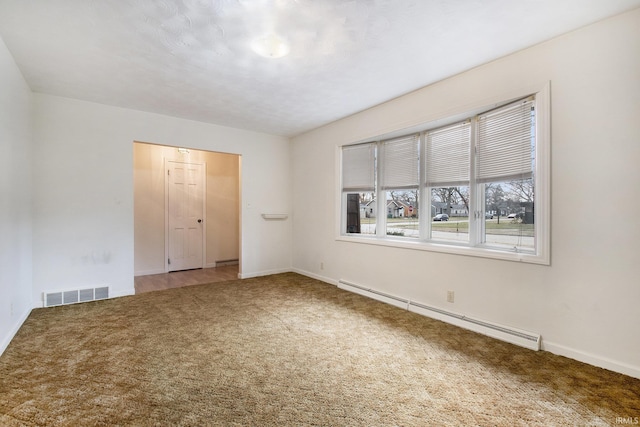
{"x":178,"y":279}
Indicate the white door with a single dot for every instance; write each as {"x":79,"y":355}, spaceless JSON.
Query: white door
{"x":185,"y":212}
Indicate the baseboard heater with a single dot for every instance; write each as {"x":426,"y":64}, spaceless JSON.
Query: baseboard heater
{"x":52,"y":299}
{"x":515,"y":336}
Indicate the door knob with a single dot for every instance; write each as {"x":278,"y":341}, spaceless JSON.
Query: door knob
{"x":199,"y":221}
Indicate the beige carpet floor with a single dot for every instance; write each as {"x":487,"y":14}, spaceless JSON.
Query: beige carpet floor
{"x":286,"y":350}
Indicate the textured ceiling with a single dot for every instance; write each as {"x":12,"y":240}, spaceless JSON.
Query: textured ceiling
{"x":192,"y":58}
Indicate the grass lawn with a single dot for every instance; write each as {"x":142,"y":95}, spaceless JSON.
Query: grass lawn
{"x":505,"y":227}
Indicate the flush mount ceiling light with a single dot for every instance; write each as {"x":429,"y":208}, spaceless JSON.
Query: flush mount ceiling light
{"x":270,"y":46}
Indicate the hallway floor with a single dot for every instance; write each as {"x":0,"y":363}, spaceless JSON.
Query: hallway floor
{"x":178,"y":279}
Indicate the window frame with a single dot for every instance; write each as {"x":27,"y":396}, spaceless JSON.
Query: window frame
{"x":542,"y":212}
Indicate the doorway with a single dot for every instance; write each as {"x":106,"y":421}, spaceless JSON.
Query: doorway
{"x":220,"y":213}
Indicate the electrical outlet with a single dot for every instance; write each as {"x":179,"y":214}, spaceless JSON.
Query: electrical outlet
{"x":450,"y":296}
{"x":322,"y":266}
{"x":11,"y":308}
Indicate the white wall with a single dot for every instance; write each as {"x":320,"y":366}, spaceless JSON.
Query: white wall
{"x":586,"y":304}
{"x":222,"y":205}
{"x":83,"y":191}
{"x":15,"y":198}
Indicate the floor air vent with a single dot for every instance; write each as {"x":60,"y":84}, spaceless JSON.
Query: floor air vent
{"x":504,"y":333}
{"x":53,"y":299}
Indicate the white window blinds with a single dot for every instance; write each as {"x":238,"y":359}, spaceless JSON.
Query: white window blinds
{"x":401,"y":163}
{"x":447,"y":155}
{"x":506,"y":143}
{"x":358,"y":165}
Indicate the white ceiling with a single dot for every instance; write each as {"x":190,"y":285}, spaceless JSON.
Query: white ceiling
{"x":192,"y":58}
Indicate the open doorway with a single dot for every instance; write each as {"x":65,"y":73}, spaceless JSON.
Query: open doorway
{"x":218,"y":216}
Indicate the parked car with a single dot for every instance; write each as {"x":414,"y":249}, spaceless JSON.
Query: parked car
{"x":512,"y":215}
{"x":441,"y":217}
{"x":487,"y":215}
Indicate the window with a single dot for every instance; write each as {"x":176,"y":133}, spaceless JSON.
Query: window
{"x":447,"y":178}
{"x":505,"y":163}
{"x":477,"y":186}
{"x":400,"y":164}
{"x":358,"y":188}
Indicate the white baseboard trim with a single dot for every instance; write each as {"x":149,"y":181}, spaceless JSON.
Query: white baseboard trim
{"x":509,"y":334}
{"x":591,"y":359}
{"x":210,"y":265}
{"x":263,"y":273}
{"x":225,"y":262}
{"x":124,"y":293}
{"x":150,"y":272}
{"x":551,"y":347}
{"x":315,"y":276}
{"x":14,"y":330}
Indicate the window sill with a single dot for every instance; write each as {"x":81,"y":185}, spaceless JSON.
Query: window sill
{"x":482,"y":252}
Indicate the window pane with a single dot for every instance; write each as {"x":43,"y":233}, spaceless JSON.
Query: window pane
{"x":447,"y":155}
{"x":506,"y":143}
{"x":402,"y":213}
{"x":509,"y":219}
{"x":358,"y":167}
{"x":401,"y":163}
{"x":361,"y":213}
{"x":450,"y":213}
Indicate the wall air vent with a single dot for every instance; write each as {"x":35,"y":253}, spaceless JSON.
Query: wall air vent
{"x":52,"y":299}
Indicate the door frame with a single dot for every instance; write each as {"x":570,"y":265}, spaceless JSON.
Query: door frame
{"x":166,"y":209}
